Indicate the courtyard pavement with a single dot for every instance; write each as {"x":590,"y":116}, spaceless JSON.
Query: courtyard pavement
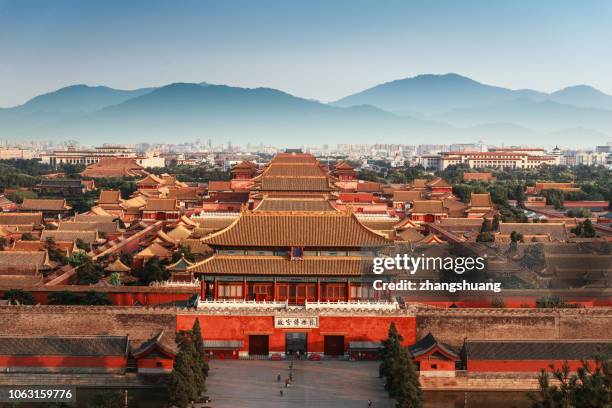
{"x":316,"y":384}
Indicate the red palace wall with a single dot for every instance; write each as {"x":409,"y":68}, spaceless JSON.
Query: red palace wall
{"x":353,"y":328}
{"x":519,"y":365}
{"x":155,"y":363}
{"x":127,"y":298}
{"x":111,"y":363}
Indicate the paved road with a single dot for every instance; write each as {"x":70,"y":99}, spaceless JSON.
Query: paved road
{"x":316,"y":384}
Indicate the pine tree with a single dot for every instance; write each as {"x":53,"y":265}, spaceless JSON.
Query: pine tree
{"x":182,"y":386}
{"x":590,"y":386}
{"x":200,"y":356}
{"x":406,"y":382}
{"x":389,"y":351}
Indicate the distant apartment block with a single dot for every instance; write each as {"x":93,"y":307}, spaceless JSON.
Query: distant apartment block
{"x":495,"y":158}
{"x":73,"y":155}
{"x":8,"y":153}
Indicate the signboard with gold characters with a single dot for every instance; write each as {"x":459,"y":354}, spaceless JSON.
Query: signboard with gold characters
{"x":296,"y":322}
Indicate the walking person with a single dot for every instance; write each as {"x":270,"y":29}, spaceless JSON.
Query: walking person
{"x":278,"y":377}
{"x":369,"y":403}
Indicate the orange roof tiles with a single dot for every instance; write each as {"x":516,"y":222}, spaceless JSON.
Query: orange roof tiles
{"x":161,"y":204}
{"x":279,"y":265}
{"x":183,"y":193}
{"x":295,"y":184}
{"x":109,"y":197}
{"x":438,"y":182}
{"x":85,"y":236}
{"x":114,"y":167}
{"x":150,"y":179}
{"x":328,"y":229}
{"x":219,"y":185}
{"x":21,"y":218}
{"x":406,"y":196}
{"x":428,"y":207}
{"x":294,"y":204}
{"x":42,"y":204}
{"x":368,"y":186}
{"x":419,"y":183}
{"x":343,"y":165}
{"x":480,"y":200}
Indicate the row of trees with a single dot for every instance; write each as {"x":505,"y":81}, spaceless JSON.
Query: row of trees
{"x":401,"y":377}
{"x":590,"y":386}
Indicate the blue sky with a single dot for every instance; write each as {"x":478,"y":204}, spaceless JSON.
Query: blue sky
{"x":315,"y":49}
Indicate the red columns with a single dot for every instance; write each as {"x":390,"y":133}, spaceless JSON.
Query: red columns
{"x":202,"y":289}
{"x":244,"y":289}
{"x":348,"y":291}
{"x":318,"y":290}
{"x":216,"y":291}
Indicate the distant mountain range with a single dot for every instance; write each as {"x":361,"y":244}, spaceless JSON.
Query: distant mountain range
{"x":424,"y":109}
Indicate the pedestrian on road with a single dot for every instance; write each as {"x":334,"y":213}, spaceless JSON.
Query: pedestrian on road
{"x":369,"y":403}
{"x":278,"y":377}
{"x":281,"y":392}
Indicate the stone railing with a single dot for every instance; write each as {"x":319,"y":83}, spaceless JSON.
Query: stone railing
{"x":239,"y":304}
{"x":354,"y":305}
{"x":195,"y":283}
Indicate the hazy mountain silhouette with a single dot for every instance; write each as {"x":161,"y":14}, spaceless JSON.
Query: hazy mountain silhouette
{"x":424,"y":109}
{"x":432,"y":94}
{"x":435,"y":94}
{"x":79,"y":98}
{"x":583,"y":96}
{"x":183,"y":110}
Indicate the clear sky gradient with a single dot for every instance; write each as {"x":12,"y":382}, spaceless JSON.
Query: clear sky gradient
{"x":315,"y":49}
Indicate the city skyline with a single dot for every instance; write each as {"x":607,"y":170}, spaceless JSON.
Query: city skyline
{"x":356,"y":45}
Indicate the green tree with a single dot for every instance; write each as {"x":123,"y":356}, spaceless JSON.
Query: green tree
{"x":89,"y":274}
{"x":82,"y":245}
{"x":495,"y":223}
{"x":55,"y":254}
{"x":533,"y":258}
{"x":96,"y":299}
{"x":127,"y":259}
{"x":397,"y":177}
{"x":183,"y":251}
{"x":64,"y":298}
{"x":154,"y":270}
{"x":579,"y":213}
{"x":19,"y":296}
{"x":115,"y":279}
{"x":78,"y":258}
{"x":590,"y":386}
{"x":516,"y":236}
{"x":198,"y":342}
{"x":27,"y":236}
{"x":108,"y":399}
{"x":389,"y":353}
{"x":18,"y":196}
{"x":585,"y":229}
{"x":553,"y":302}
{"x":406,"y":383}
{"x":485,"y":237}
{"x":182,"y":387}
